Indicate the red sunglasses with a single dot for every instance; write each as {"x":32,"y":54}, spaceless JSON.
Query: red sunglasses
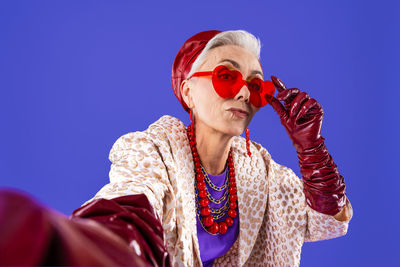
{"x":227,"y":83}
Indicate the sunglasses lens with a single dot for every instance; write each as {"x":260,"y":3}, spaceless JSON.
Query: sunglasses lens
{"x":255,"y":85}
{"x":268,"y":98}
{"x":225,"y":75}
{"x":261,"y":92}
{"x":255,"y":99}
{"x":225,"y":81}
{"x":268,"y":90}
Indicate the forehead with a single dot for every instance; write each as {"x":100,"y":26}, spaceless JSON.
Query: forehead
{"x":247,"y":61}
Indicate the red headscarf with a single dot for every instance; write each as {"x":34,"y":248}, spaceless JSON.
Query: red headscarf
{"x":183,"y":62}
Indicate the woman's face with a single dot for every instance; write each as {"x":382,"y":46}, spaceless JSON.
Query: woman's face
{"x":229,"y":116}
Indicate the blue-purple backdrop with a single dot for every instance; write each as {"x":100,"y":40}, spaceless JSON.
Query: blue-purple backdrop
{"x":76,"y":75}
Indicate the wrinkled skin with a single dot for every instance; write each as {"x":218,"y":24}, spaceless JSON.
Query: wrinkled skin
{"x":215,"y":124}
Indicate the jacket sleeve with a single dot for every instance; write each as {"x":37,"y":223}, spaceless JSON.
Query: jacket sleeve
{"x":137,"y":168}
{"x":319,"y":226}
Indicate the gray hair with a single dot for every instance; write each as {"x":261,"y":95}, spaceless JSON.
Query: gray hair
{"x":240,"y":38}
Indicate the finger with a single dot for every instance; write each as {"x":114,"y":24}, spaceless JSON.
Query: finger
{"x":305,"y":110}
{"x":287,"y":96}
{"x":296,"y":104}
{"x":278,"y":107}
{"x":284,"y":95}
{"x":280,"y":86}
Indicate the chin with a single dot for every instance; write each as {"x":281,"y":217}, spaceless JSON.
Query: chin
{"x":235,"y":131}
{"x":233,"y":127}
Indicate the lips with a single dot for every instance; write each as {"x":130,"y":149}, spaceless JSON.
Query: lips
{"x":239,"y":112}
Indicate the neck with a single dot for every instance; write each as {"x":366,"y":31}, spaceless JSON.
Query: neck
{"x":213,"y":148}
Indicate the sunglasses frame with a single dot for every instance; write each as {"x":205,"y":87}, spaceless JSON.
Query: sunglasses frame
{"x":257,"y":98}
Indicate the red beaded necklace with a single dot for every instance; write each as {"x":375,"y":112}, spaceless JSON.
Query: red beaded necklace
{"x":206,"y":217}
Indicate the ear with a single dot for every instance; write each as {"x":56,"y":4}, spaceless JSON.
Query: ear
{"x":186,"y":93}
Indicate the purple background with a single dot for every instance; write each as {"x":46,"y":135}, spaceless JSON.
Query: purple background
{"x":76,"y":75}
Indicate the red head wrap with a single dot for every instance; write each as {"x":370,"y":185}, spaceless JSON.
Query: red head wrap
{"x":183,"y":62}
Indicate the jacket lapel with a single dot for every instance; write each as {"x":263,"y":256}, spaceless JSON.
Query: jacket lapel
{"x":252,"y":191}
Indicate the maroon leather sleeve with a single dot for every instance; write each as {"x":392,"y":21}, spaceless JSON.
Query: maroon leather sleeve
{"x":324,"y":187}
{"x":118,"y":232}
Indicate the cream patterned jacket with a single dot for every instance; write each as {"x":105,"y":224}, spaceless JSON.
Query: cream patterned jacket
{"x":274,"y":217}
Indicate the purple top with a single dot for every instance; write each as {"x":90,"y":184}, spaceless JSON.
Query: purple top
{"x":214,"y":246}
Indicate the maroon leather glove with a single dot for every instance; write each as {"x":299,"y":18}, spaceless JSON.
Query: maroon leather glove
{"x":324,"y":187}
{"x":132,"y":218}
{"x":126,"y":233}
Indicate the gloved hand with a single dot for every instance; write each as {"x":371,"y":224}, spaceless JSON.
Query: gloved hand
{"x":324,"y":187}
{"x":301,"y":116}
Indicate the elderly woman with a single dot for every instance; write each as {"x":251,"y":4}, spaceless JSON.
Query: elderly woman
{"x":204,"y":196}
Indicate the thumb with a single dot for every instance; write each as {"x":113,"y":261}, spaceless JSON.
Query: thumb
{"x":278,"y":107}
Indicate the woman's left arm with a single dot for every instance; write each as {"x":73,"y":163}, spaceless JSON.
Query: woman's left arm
{"x":324,"y":187}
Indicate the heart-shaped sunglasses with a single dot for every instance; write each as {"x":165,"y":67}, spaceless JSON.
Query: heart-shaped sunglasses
{"x":227,"y":83}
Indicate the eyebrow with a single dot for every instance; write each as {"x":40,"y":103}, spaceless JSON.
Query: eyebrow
{"x":236,"y":65}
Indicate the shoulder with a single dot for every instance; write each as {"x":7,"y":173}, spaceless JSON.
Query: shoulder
{"x":160,"y":133}
{"x":167,"y":127}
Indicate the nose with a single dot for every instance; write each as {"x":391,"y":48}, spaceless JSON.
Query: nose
{"x":243,"y":95}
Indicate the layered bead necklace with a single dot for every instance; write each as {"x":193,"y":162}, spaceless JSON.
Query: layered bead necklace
{"x":208,"y":216}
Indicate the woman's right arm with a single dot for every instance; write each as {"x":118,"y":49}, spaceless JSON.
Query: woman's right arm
{"x":116,"y":232}
{"x":120,"y":226}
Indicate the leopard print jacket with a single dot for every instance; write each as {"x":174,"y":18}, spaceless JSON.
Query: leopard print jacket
{"x":274,"y":217}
